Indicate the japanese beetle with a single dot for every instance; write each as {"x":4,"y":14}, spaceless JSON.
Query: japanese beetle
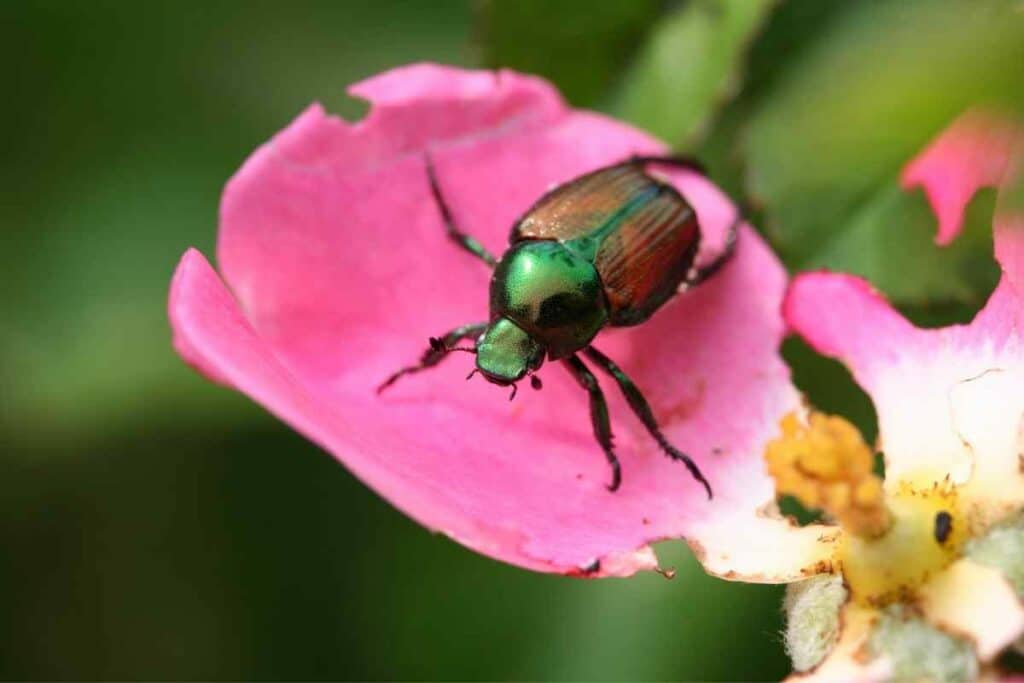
{"x":608,"y":248}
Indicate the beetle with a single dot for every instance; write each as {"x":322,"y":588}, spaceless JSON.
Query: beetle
{"x":606,"y":249}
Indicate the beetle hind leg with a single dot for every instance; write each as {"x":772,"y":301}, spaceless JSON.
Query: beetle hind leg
{"x":439,"y":348}
{"x":464,"y":240}
{"x":684,"y":162}
{"x":643,"y":411}
{"x":598,"y":415}
{"x":699,"y":275}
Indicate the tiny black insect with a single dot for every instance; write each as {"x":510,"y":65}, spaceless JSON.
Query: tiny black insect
{"x":606,"y":249}
{"x":943,"y":526}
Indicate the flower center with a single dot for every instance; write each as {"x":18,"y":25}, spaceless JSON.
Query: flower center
{"x":926,"y":535}
{"x":894,"y":539}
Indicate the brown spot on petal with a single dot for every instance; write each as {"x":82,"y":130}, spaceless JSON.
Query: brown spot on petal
{"x":1020,"y":445}
{"x":687,"y":406}
{"x":862,"y":655}
{"x":586,"y":571}
{"x":819,"y":567}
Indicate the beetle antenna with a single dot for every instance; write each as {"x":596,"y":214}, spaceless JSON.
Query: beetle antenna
{"x":472,"y":372}
{"x":515,"y":388}
{"x":536,"y":383}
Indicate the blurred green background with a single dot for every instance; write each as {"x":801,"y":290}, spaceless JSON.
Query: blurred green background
{"x":156,"y":526}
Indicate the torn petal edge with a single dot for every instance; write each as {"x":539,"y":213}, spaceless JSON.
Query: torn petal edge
{"x":977,"y":150}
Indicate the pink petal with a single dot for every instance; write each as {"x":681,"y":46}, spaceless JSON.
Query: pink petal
{"x":975,"y":151}
{"x":952,"y":399}
{"x":341,"y":269}
{"x":949,"y":400}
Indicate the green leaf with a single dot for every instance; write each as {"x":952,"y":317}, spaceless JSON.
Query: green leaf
{"x":577,"y":44}
{"x":689,"y":66}
{"x":890,"y":240}
{"x":826,"y":144}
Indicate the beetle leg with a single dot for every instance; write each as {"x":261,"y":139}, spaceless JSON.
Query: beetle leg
{"x":598,"y":414}
{"x":439,"y":348}
{"x":467,"y":242}
{"x":699,"y":275}
{"x":643,"y":411}
{"x":688,"y":163}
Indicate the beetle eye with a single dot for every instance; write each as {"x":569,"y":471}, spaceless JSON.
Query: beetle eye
{"x":943,"y":526}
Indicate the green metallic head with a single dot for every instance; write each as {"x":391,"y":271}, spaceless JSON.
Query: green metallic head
{"x":553,"y":295}
{"x":505,"y":353}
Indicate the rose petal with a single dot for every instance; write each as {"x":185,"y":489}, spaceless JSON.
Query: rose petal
{"x":974,"y":602}
{"x":337,"y":257}
{"x":988,"y":414}
{"x":771,"y":550}
{"x":948,"y":400}
{"x":908,"y":377}
{"x":975,"y":151}
{"x":850,"y":660}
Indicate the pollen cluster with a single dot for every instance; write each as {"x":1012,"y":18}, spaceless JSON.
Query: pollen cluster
{"x":826,"y":465}
{"x":893,"y":539}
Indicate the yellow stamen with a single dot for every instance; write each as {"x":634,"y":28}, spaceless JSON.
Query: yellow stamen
{"x":895,"y":540}
{"x":826,"y":465}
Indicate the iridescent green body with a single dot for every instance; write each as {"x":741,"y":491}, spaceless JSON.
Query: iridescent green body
{"x":552,"y":292}
{"x":606,"y":249}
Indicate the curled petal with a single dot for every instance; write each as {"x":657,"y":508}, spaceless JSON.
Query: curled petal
{"x":339,"y":270}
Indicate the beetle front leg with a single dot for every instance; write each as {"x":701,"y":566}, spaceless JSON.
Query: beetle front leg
{"x":439,"y":348}
{"x":467,"y":242}
{"x":643,"y":411}
{"x":598,"y":415}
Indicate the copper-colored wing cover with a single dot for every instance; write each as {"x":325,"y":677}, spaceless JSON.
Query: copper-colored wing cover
{"x":641,"y":234}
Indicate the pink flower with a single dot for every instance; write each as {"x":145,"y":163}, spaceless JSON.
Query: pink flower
{"x":950,"y":404}
{"x":336,"y":269}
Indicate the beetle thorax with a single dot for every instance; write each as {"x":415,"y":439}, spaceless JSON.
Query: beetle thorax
{"x":553,"y":294}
